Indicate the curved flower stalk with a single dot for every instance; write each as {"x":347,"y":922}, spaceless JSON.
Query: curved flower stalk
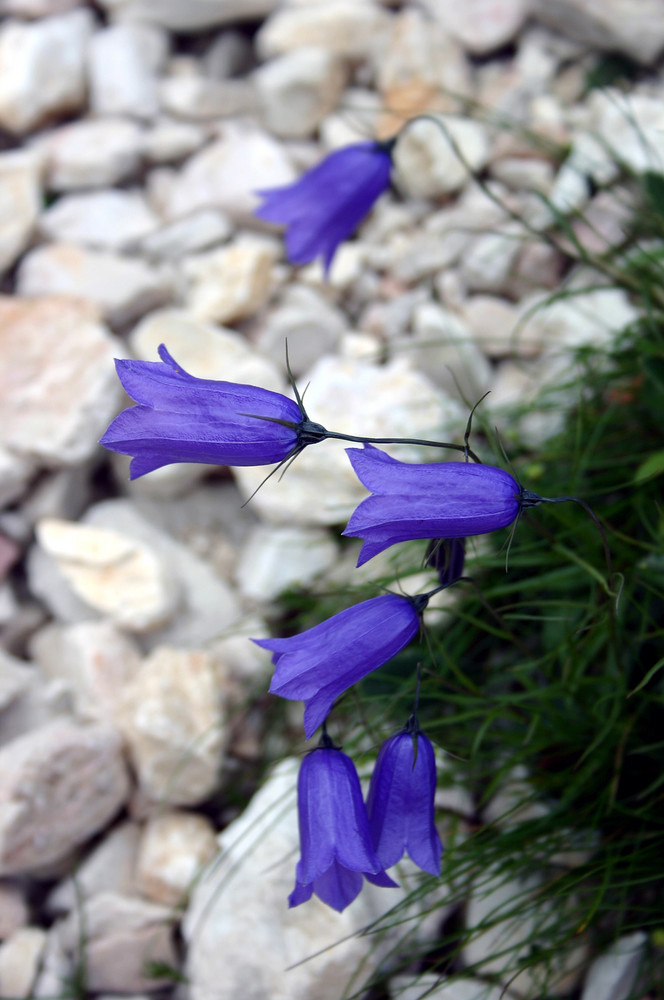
{"x":326,"y":205}
{"x":181,"y":418}
{"x":318,"y":665}
{"x":335,"y":841}
{"x":401,"y":801}
{"x":442,"y":500}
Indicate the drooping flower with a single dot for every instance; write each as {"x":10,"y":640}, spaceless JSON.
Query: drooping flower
{"x":441,"y":500}
{"x":447,"y":557}
{"x":327,"y":203}
{"x":181,"y":418}
{"x":318,"y":665}
{"x":335,"y":842}
{"x":401,"y":801}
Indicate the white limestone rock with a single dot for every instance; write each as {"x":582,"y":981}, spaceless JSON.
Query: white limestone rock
{"x":632,"y":127}
{"x":200,"y":98}
{"x":201,"y":230}
{"x":38,"y":8}
{"x":496,"y":328}
{"x":353,"y":29}
{"x":174,"y":848}
{"x":169,"y":141}
{"x":20,"y":956}
{"x":59,"y":785}
{"x":436,"y":159}
{"x":20,"y":198}
{"x":276,"y":558}
{"x":58,"y":388}
{"x":14,"y":912}
{"x":195,"y":15}
{"x":111,"y":573}
{"x":124,"y":61}
{"x":95,"y":659}
{"x":109,"y":220}
{"x":590,"y":318}
{"x":123,"y":288}
{"x":227,"y":174}
{"x":443,"y":348}
{"x":109,"y":867}
{"x":612,"y":976}
{"x":305,"y":320}
{"x":480,"y":25}
{"x":16,"y":471}
{"x":233,"y":282}
{"x":174,"y":723}
{"x":637,"y":30}
{"x":433,"y":987}
{"x":488,"y":263}
{"x":42,"y":69}
{"x":91,"y":153}
{"x":297,"y":90}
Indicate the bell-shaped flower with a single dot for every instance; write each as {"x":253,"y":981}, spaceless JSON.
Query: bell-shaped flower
{"x":447,"y":557}
{"x":181,"y":418}
{"x":401,"y":801}
{"x":328,"y":202}
{"x":335,"y":842}
{"x":441,"y":500}
{"x":318,"y":665}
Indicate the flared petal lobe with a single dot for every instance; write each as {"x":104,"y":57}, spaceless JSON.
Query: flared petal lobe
{"x":335,"y":842}
{"x":401,"y":802}
{"x":327,"y":203}
{"x":318,"y":665}
{"x":180,"y":418}
{"x":441,"y":500}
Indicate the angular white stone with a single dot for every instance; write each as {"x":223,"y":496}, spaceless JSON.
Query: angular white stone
{"x":299,"y":89}
{"x":198,"y":231}
{"x":109,"y":867}
{"x":58,"y":786}
{"x":13,"y":909}
{"x":612,"y":976}
{"x":200,"y":98}
{"x":434,"y":988}
{"x":444,"y":349}
{"x":38,"y":8}
{"x":19,"y":961}
{"x":174,"y":848}
{"x":123,"y":63}
{"x":488,"y":262}
{"x":111,"y":573}
{"x":353,"y":29}
{"x":58,"y":388}
{"x":593,"y":318}
{"x":174,"y":724}
{"x":124,"y":288}
{"x":109,"y":220}
{"x":42,"y":68}
{"x":275,"y":558}
{"x":480,"y":25}
{"x":433,"y":160}
{"x":231,"y":283}
{"x":615,"y":25}
{"x":170,"y":140}
{"x":194,"y":15}
{"x":305,"y":320}
{"x":91,"y":153}
{"x":20,"y":197}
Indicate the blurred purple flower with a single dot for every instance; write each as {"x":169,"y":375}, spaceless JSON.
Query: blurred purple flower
{"x":180,"y":418}
{"x":441,"y":500}
{"x":318,"y":665}
{"x":327,"y":203}
{"x":335,"y":842}
{"x":400,"y":802}
{"x":447,"y":557}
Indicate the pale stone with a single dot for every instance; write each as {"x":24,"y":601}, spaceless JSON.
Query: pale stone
{"x":298,"y":89}
{"x":20,"y":197}
{"x":637,"y":30}
{"x":174,"y":848}
{"x":37,"y":703}
{"x":231,"y":283}
{"x":169,"y":141}
{"x":524,"y":173}
{"x":91,"y":153}
{"x":497,"y":329}
{"x":240,"y":661}
{"x":124,"y":60}
{"x":14,"y":678}
{"x":195,"y":15}
{"x":434,"y":158}
{"x":481,"y":25}
{"x":58,"y":785}
{"x":353,"y":29}
{"x":488,"y":263}
{"x":16,"y":471}
{"x":111,"y":573}
{"x":359,"y":398}
{"x":110,"y":220}
{"x":200,"y":98}
{"x":58,"y":388}
{"x":276,"y":558}
{"x":175,"y":727}
{"x":612,"y":976}
{"x":42,"y":69}
{"x":228,"y":173}
{"x":95,"y":659}
{"x":124,"y":288}
{"x":122,"y":937}
{"x":13,"y":909}
{"x":19,"y":961}
{"x":592,"y":318}
{"x":632,"y":126}
{"x":306,"y":321}
{"x":433,"y":987}
{"x":443,"y":347}
{"x":38,"y":8}
{"x":198,"y":231}
{"x":110,"y":867}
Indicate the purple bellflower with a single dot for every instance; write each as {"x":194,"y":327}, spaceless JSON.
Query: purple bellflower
{"x":318,"y":665}
{"x":327,"y":203}
{"x":400,"y":802}
{"x":335,"y":841}
{"x":181,"y":418}
{"x":447,"y":557}
{"x":441,"y":500}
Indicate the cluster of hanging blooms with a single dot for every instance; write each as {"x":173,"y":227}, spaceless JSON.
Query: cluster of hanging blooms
{"x":180,"y":418}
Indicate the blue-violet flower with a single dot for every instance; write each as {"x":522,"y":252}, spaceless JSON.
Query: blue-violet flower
{"x":327,"y":203}
{"x":441,"y":500}
{"x":447,"y":557}
{"x":181,"y":418}
{"x":318,"y":665}
{"x":401,"y":801}
{"x":335,"y":842}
